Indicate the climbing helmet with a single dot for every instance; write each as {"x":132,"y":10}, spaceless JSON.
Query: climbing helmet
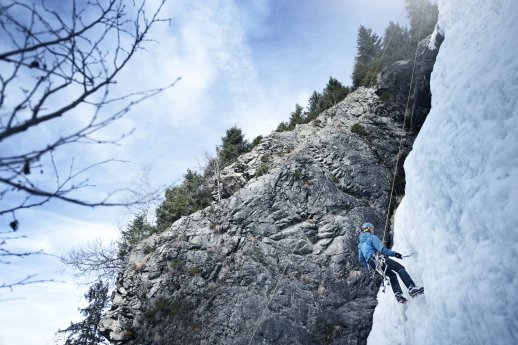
{"x":367,"y":227}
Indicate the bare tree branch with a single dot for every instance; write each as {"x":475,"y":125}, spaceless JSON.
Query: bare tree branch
{"x":59,"y":66}
{"x":97,"y":260}
{"x":94,"y":261}
{"x":6,"y":253}
{"x":56,"y":63}
{"x":25,"y":281}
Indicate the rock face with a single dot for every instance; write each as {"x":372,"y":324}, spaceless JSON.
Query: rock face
{"x":275,"y":262}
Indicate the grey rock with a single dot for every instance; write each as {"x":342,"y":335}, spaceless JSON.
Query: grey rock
{"x":275,"y":261}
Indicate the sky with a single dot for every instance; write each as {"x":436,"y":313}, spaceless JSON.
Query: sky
{"x":242,"y":64}
{"x":459,"y":211}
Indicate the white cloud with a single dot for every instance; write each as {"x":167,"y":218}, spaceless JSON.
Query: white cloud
{"x":41,"y":310}
{"x":50,"y":306}
{"x":233,"y":73}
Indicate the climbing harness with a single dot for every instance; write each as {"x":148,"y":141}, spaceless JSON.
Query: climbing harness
{"x":381,"y":269}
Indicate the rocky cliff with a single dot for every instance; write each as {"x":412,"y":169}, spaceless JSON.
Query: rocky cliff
{"x":275,"y":262}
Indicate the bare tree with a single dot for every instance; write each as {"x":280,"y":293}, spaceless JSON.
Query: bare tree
{"x":94,"y":261}
{"x":145,"y":197}
{"x":56,"y":66}
{"x":97,"y":260}
{"x":211,"y":167}
{"x":59,"y":62}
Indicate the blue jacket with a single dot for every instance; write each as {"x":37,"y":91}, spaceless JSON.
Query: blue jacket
{"x":370,"y":244}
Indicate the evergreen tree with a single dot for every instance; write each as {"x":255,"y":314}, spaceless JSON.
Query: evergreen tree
{"x":368,"y":48}
{"x":193,"y":193}
{"x":296,"y":117}
{"x":182,"y":200}
{"x":86,"y":332}
{"x":422,"y":15}
{"x":233,"y":145}
{"x":315,"y":106}
{"x":396,"y":44}
{"x":138,"y":230}
{"x":333,"y":93}
{"x":282,"y":127}
{"x":256,"y":141}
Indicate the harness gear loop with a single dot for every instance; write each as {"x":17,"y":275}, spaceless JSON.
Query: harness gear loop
{"x":381,"y":269}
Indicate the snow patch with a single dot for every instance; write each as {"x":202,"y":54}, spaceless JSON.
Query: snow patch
{"x":437,"y":32}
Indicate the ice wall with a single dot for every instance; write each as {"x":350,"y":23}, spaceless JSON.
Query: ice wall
{"x":460,"y":211}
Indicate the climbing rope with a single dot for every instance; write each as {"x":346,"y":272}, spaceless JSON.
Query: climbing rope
{"x":385,"y":50}
{"x":274,"y":291}
{"x":270,"y":298}
{"x":403,"y":136}
{"x":382,"y":259}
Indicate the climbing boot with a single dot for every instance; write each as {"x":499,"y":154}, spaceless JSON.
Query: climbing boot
{"x":400,"y":298}
{"x":414,"y":291}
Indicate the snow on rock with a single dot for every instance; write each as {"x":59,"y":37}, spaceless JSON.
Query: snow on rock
{"x":460,"y":212}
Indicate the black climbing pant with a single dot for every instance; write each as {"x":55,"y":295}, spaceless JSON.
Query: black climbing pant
{"x":393,"y":270}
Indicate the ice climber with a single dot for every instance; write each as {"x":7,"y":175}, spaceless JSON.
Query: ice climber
{"x":370,"y":250}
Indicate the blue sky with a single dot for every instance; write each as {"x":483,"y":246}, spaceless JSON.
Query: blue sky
{"x":244,"y":63}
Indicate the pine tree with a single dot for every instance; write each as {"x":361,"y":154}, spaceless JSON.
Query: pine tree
{"x":422,"y":15}
{"x":193,"y":193}
{"x":315,"y":106}
{"x":333,"y":93}
{"x":138,"y":230}
{"x":233,"y":145}
{"x":396,"y":44}
{"x":86,"y":332}
{"x":282,"y":127}
{"x":368,"y":48}
{"x":182,"y":200}
{"x":256,"y":141}
{"x":296,"y":117}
